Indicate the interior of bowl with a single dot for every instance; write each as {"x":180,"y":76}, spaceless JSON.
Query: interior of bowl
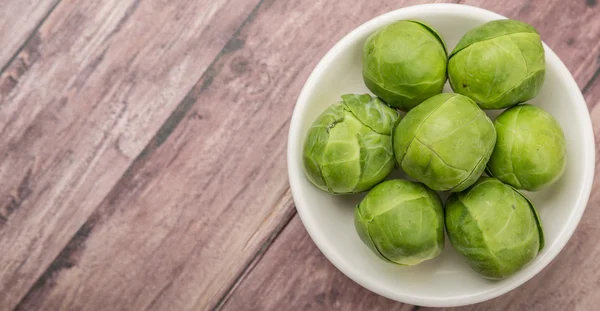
{"x":445,"y":280}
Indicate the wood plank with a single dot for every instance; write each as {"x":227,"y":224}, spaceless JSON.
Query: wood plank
{"x":188,"y":219}
{"x":93,"y":86}
{"x":294,"y":273}
{"x":591,"y":91}
{"x":19,"y":19}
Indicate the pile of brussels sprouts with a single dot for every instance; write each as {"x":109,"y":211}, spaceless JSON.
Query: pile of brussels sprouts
{"x":445,"y":141}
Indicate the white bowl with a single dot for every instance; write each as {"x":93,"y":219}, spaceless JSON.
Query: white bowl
{"x":445,"y":280}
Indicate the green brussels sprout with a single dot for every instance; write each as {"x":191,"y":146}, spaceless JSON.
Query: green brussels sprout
{"x":530,"y":152}
{"x":444,"y":142}
{"x":405,"y":63}
{"x":349,"y":146}
{"x":401,"y":221}
{"x":494,"y":227}
{"x":498,"y":64}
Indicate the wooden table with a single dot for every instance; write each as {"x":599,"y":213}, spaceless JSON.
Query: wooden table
{"x":142,"y":154}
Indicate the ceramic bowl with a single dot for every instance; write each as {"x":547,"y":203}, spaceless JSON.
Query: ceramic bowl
{"x":446,"y":280}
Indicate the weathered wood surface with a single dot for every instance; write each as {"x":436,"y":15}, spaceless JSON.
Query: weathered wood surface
{"x":82,"y":99}
{"x":130,"y":181}
{"x":18,"y":21}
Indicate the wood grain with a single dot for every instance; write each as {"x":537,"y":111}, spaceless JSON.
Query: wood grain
{"x":591,"y":92}
{"x":92,"y":87}
{"x":18,"y":21}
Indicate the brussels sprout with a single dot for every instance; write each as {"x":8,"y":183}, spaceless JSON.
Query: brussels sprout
{"x":498,"y":64}
{"x":494,"y":227}
{"x":349,"y":147}
{"x":530,"y":152}
{"x":405,"y":63}
{"x":401,"y":221}
{"x":444,"y":142}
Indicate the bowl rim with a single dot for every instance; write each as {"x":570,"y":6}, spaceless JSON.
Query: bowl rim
{"x":353,"y":273}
